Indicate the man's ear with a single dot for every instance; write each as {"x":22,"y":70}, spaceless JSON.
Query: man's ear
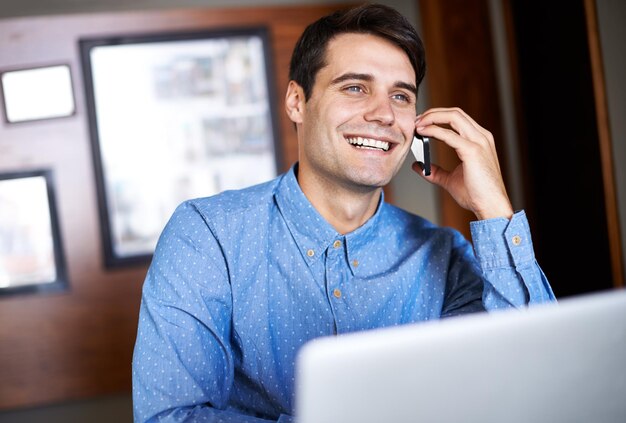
{"x":294,"y":102}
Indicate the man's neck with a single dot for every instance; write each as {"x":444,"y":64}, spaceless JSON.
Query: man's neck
{"x":345,"y":209}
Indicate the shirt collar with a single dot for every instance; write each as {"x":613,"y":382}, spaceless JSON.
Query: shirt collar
{"x":311,"y":232}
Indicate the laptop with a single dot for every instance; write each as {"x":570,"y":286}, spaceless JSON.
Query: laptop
{"x":548,"y":363}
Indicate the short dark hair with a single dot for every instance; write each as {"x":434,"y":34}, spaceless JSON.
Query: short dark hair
{"x":309,"y":54}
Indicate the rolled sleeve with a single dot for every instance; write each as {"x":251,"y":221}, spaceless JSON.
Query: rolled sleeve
{"x":506,"y":255}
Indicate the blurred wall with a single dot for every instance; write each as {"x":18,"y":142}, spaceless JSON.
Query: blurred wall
{"x":408,"y":190}
{"x":612,"y":28}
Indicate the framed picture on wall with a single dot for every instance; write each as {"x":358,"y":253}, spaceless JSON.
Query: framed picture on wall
{"x":31,"y":253}
{"x":175,"y":116}
{"x":38,"y":93}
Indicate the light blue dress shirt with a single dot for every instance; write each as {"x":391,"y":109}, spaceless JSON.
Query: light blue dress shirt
{"x":241,"y":280}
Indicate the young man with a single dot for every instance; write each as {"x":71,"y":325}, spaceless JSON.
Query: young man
{"x":241,"y":280}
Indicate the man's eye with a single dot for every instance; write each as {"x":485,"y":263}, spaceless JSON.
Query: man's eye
{"x":402,"y":97}
{"x":354,"y":89}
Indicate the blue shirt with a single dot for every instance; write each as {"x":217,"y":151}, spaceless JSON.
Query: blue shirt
{"x":241,"y":280}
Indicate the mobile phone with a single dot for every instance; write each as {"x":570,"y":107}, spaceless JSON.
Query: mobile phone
{"x":421,"y":150}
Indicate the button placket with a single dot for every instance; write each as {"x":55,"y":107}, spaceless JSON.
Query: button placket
{"x":336,"y":255}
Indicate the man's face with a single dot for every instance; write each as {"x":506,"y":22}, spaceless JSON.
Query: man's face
{"x":358,"y":124}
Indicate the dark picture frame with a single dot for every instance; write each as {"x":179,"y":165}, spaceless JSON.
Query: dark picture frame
{"x":174,"y":116}
{"x":31,"y":251}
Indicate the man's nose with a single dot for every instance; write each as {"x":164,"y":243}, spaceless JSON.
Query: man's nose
{"x":380,"y":110}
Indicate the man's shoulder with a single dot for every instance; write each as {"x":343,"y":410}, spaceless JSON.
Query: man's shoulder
{"x":236,"y":201}
{"x":395,"y":215}
{"x":410,"y":225}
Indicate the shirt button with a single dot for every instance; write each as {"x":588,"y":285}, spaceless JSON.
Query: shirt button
{"x":355,"y":263}
{"x":310,"y":253}
{"x":337,"y":244}
{"x":337,"y":293}
{"x":517,"y":240}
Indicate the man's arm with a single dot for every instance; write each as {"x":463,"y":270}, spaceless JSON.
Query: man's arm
{"x":498,"y":272}
{"x":501,"y":238}
{"x":505,"y":253}
{"x":183,"y":365}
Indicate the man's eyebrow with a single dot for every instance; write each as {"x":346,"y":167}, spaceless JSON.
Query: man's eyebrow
{"x":348,"y":76}
{"x":406,"y":86}
{"x":367,"y":77}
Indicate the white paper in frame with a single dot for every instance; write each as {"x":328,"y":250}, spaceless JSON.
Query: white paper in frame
{"x":37,"y":93}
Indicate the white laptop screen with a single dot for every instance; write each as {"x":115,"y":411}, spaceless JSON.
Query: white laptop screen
{"x":551,"y":363}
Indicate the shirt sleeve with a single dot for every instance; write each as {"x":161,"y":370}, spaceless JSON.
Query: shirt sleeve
{"x":182,"y":366}
{"x":512,"y":276}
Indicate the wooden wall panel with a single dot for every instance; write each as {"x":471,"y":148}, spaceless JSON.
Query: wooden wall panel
{"x":605,"y":144}
{"x":461,"y":72}
{"x":78,"y":344}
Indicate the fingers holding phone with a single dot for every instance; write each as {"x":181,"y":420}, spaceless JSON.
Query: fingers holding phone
{"x":476,"y":182}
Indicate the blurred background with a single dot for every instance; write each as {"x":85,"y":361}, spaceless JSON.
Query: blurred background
{"x":546,"y":78}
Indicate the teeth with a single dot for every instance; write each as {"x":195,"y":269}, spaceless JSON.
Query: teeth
{"x":368,"y":142}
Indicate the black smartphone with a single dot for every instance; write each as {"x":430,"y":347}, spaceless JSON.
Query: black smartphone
{"x":421,"y":150}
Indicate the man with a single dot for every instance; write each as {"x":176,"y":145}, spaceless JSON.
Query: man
{"x":241,"y":280}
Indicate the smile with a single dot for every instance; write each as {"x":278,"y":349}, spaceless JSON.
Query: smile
{"x":368,"y":143}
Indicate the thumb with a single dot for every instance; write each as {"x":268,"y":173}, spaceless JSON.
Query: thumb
{"x":437,"y":174}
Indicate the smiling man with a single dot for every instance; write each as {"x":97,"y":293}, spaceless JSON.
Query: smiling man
{"x":241,"y":280}
{"x":355,"y":128}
